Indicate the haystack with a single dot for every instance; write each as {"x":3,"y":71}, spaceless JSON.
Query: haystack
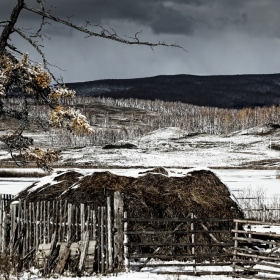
{"x":150,"y":195}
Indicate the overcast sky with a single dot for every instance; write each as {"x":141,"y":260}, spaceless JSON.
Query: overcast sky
{"x":220,"y":36}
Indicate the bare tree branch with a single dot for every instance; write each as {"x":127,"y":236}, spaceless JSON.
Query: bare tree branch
{"x":8,"y":29}
{"x":103,"y":34}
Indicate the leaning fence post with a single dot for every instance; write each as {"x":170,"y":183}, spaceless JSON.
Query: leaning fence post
{"x":118,"y":230}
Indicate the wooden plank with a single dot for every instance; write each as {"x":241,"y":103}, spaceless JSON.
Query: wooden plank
{"x":37,"y":223}
{"x":69,"y":222}
{"x":257,"y":256}
{"x":193,"y":241}
{"x":254,"y":240}
{"x":84,"y":249}
{"x":60,"y":239}
{"x":64,"y":226}
{"x":82,"y":217}
{"x":102,"y":245}
{"x":197,"y":264}
{"x":125,"y":241}
{"x":268,"y":234}
{"x":182,"y":256}
{"x":255,"y":222}
{"x":98,"y":239}
{"x":163,"y":244}
{"x":169,"y":232}
{"x":4,"y":232}
{"x":63,"y":257}
{"x":109,"y":235}
{"x":1,"y":223}
{"x":25,"y":224}
{"x":89,"y":261}
{"x":235,"y":247}
{"x":190,"y":273}
{"x":118,"y":230}
{"x":163,"y":220}
{"x":76,"y":222}
{"x":258,"y":270}
{"x":87,"y":226}
{"x":93,"y":214}
{"x":271,"y":253}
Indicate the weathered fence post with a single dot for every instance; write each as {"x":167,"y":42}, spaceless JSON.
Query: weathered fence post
{"x":1,"y":224}
{"x":118,"y":230}
{"x":82,"y":207}
{"x":109,"y":234}
{"x":193,"y":242}
{"x":125,"y":241}
{"x":69,"y":222}
{"x":235,"y":248}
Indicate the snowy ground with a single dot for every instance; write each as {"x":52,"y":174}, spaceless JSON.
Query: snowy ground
{"x":176,"y":149}
{"x":173,"y":147}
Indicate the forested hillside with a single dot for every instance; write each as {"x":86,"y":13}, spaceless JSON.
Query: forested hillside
{"x":236,"y":91}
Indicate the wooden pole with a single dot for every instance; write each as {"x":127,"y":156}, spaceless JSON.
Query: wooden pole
{"x":25,"y":224}
{"x":109,"y":234}
{"x":82,"y":207}
{"x":235,"y":248}
{"x":48,"y":221}
{"x":36,"y":223}
{"x":4,"y":232}
{"x":1,"y":224}
{"x":193,"y":241}
{"x":98,"y":239}
{"x":69,"y":222}
{"x":102,"y":240}
{"x":125,"y":240}
{"x":118,"y":229}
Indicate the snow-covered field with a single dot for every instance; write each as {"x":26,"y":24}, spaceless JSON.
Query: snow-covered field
{"x":174,"y":147}
{"x":175,"y":150}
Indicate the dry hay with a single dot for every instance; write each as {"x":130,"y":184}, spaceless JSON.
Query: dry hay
{"x":151,"y":196}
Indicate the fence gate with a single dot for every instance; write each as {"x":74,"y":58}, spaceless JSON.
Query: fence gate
{"x":256,"y":250}
{"x":188,"y":246}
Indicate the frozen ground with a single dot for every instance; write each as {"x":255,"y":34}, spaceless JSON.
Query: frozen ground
{"x":176,"y":149}
{"x":172,"y":147}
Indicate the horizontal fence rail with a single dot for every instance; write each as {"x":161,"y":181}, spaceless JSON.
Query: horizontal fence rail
{"x":256,"y":253}
{"x":198,"y":249}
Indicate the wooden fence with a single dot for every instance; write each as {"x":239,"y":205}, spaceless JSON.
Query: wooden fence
{"x":256,"y":254}
{"x":57,"y":235}
{"x":47,"y":232}
{"x":192,"y":244}
{"x":264,"y":213}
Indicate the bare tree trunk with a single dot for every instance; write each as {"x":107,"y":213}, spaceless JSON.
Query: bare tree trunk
{"x":8,"y":29}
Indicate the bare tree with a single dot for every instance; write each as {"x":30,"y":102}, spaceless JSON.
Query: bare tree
{"x":36,"y":81}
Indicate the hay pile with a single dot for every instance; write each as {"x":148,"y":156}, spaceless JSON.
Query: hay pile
{"x":151,"y":195}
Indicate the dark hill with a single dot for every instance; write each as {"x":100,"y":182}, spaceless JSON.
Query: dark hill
{"x":236,"y":91}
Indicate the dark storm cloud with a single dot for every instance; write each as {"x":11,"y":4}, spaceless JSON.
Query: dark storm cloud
{"x":221,"y":37}
{"x":184,"y":17}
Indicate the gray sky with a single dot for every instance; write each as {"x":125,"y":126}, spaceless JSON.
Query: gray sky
{"x":220,"y":36}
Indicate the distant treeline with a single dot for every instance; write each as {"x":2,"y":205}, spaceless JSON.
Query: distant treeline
{"x":124,"y":119}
